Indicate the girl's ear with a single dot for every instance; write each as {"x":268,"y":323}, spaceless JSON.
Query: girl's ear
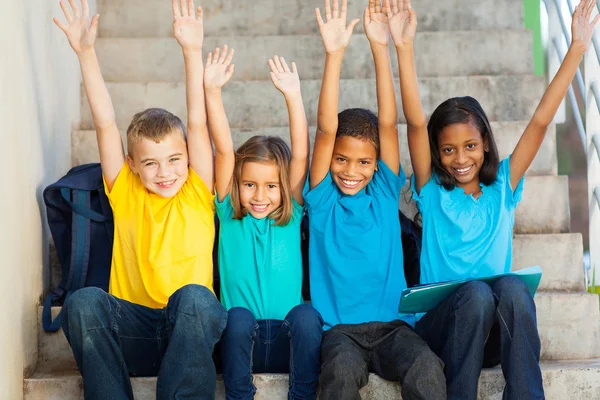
{"x":486,"y":148}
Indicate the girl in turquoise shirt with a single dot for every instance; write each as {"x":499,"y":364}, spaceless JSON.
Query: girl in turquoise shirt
{"x":260,"y":206}
{"x":467,"y":198}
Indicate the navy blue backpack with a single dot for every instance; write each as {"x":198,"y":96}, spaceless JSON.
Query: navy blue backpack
{"x":81,"y":224}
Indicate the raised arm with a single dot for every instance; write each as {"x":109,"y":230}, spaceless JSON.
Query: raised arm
{"x":531,"y":140}
{"x":81,"y":34}
{"x":218,"y":72}
{"x":403,"y":25}
{"x":189,"y":32}
{"x":378,"y":33}
{"x":288,"y":83}
{"x":336,"y":36}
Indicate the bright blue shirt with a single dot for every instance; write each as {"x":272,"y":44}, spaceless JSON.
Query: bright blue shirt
{"x":260,"y":263}
{"x":355,"y":253}
{"x":464,"y":237}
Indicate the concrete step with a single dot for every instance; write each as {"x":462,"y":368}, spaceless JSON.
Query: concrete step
{"x":153,"y":18}
{"x":257,"y":104}
{"x":159,"y":59}
{"x":562,"y":322}
{"x":562,"y":380}
{"x":84,"y":147}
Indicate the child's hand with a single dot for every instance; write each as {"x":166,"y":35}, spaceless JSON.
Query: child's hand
{"x":334,"y":32}
{"x":403,"y":23}
{"x":80,"y":32}
{"x":218,"y":68}
{"x":187,"y":27}
{"x":581,"y":27}
{"x":286,"y":81}
{"x":376,"y":22}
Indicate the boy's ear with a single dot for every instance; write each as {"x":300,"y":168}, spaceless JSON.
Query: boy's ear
{"x":131,"y":164}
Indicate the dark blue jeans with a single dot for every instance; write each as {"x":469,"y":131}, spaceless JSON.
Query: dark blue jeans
{"x":290,"y":346}
{"x":113,"y":338}
{"x":390,"y":349}
{"x":480,"y":325}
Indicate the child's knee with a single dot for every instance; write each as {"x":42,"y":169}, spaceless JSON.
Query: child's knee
{"x":476,"y":297}
{"x":241,"y":323}
{"x":304,"y":318}
{"x":511,"y":291}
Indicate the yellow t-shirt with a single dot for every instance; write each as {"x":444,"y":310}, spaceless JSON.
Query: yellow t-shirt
{"x":160,"y":244}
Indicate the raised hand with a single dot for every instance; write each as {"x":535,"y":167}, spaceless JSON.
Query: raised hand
{"x":403,"y":23}
{"x":188,"y":27}
{"x":334,"y":32}
{"x":218,"y":68}
{"x":376,"y":22}
{"x":81,"y":33}
{"x":581,"y":27}
{"x":286,"y":81}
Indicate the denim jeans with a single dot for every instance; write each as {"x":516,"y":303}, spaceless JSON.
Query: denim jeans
{"x":480,"y":325}
{"x":113,"y":338}
{"x":390,"y":349}
{"x":290,"y":346}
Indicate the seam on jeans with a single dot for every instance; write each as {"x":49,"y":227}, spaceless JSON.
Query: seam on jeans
{"x":115,"y":325}
{"x":502,"y":319}
{"x":268,"y":344}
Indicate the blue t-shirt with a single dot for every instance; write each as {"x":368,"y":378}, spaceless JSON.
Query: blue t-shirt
{"x":464,"y":237}
{"x":260,"y":263}
{"x":356,"y":260}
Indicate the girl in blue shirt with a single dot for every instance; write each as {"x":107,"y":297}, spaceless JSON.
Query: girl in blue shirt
{"x":467,"y":198}
{"x":259,"y":204}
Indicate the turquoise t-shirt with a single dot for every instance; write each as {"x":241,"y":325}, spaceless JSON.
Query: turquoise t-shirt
{"x":464,"y":237}
{"x":260,"y":264}
{"x":356,"y":260}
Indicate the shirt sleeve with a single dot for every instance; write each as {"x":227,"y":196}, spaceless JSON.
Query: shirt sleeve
{"x":297,"y":212}
{"x":321,"y":194}
{"x":513,"y":197}
{"x":195,"y":189}
{"x":386,"y":182}
{"x":224,"y":208}
{"x":423,"y":197}
{"x":123,"y":184}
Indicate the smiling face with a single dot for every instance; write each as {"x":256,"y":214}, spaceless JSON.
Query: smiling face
{"x":163,"y":166}
{"x":353,"y":164}
{"x":462,"y":151}
{"x":260,"y":188}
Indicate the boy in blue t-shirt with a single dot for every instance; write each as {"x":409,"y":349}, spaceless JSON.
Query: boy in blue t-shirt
{"x":356,"y":261}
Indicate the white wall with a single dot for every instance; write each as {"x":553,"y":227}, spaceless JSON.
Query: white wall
{"x":39,"y":105}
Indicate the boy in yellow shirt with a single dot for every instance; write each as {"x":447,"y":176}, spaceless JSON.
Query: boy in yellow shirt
{"x":160,"y":316}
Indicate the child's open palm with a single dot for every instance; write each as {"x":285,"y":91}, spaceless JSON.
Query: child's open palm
{"x":403,"y":23}
{"x":376,"y":21}
{"x":219,"y":68}
{"x":334,"y":32}
{"x":80,"y":32}
{"x":285,"y":80}
{"x":581,"y":28}
{"x":187,"y":27}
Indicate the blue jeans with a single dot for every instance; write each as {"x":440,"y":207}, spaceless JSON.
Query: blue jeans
{"x":392,"y":350}
{"x":113,"y":338}
{"x":290,"y":346}
{"x":480,"y":325}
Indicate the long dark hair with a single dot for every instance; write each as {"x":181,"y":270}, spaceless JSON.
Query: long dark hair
{"x":462,"y":110}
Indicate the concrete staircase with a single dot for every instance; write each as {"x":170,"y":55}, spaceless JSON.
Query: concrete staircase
{"x":474,"y":47}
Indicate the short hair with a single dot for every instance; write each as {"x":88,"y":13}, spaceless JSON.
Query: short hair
{"x":264,"y":149}
{"x":154,"y":124}
{"x":359,"y":123}
{"x":462,"y":110}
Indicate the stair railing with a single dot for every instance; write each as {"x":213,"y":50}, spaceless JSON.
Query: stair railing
{"x":588,"y":84}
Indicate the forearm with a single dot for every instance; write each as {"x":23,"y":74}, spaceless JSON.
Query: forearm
{"x":409,"y":89}
{"x":103,"y":113}
{"x":328,"y":99}
{"x":194,"y":73}
{"x":217,"y":120}
{"x":298,"y":126}
{"x":387,"y":112}
{"x":546,"y":110}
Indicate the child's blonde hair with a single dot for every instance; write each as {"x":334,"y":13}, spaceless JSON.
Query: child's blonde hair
{"x":264,"y":149}
{"x":154,"y":124}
